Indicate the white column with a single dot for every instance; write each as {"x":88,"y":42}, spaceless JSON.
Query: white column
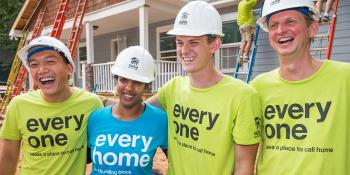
{"x":143,"y":23}
{"x":83,"y":75}
{"x":89,"y":43}
{"x":217,"y":59}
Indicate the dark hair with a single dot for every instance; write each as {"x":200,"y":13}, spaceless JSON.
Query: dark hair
{"x":212,"y":37}
{"x":147,"y":85}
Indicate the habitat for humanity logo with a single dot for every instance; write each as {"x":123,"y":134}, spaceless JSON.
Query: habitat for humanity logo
{"x":274,"y":2}
{"x":134,"y":63}
{"x":183,"y":20}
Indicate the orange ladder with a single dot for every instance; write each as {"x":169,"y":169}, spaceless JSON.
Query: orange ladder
{"x":38,"y":27}
{"x":60,"y":19}
{"x":75,"y":32}
{"x":329,"y":35}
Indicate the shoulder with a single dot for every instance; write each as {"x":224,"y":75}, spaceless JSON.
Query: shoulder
{"x":28,"y":96}
{"x":175,"y":82}
{"x":265,"y":78}
{"x":155,"y":110}
{"x":340,"y":66}
{"x":237,"y":84}
{"x":98,"y":113}
{"x":85,"y":95}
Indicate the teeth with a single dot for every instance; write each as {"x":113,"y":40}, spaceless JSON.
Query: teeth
{"x":188,"y":58}
{"x":128,"y":96}
{"x":285,"y":39}
{"x":47,"y":79}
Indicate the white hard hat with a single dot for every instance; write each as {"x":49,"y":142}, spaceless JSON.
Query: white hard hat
{"x":197,"y":18}
{"x":273,"y":6}
{"x":134,"y":63}
{"x":45,"y":41}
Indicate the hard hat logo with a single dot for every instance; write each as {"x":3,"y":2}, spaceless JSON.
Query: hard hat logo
{"x":133,"y":63}
{"x":275,"y":2}
{"x":197,"y":18}
{"x":183,"y":20}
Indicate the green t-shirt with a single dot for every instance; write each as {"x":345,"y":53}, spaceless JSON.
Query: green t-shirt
{"x":204,"y":124}
{"x":245,"y":12}
{"x":306,"y":123}
{"x":53,"y":135}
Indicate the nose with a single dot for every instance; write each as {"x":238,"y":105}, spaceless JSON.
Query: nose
{"x":281,"y":28}
{"x":42,"y":68}
{"x":129,"y":86}
{"x":185,"y":48}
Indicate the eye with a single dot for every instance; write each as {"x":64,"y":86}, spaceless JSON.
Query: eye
{"x":273,"y":26}
{"x":33,"y":65}
{"x":122,"y":80}
{"x":50,"y":62}
{"x":194,"y":43}
{"x":179,"y":44}
{"x":137,"y":83}
{"x":291,"y":21}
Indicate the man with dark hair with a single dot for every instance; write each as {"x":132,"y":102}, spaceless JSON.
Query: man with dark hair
{"x":49,"y":123}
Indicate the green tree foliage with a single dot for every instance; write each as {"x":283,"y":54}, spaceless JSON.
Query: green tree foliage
{"x":9,"y":10}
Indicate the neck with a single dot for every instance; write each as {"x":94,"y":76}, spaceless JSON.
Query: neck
{"x":298,"y":67}
{"x":206,"y":78}
{"x":127,"y":114}
{"x":60,"y":97}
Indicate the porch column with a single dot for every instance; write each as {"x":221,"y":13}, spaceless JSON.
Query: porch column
{"x":89,"y":43}
{"x":88,"y":74}
{"x":217,"y":59}
{"x":143,"y":23}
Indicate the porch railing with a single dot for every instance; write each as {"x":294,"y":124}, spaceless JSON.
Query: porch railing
{"x":104,"y":81}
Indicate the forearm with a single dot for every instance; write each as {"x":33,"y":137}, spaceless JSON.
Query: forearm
{"x":9,"y":153}
{"x":245,"y":159}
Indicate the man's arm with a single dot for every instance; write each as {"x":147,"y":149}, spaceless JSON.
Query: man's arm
{"x":9,"y":153}
{"x":154,"y":101}
{"x":245,"y":159}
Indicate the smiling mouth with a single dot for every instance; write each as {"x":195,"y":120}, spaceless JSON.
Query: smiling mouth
{"x":46,"y":80}
{"x":285,"y":40}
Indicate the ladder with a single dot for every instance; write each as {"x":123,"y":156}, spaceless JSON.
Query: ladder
{"x":238,"y":69}
{"x":13,"y":74}
{"x":60,"y":19}
{"x":329,"y":35}
{"x":38,"y":27}
{"x":18,"y":72}
{"x":75,"y":32}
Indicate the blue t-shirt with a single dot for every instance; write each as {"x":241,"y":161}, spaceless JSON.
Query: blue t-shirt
{"x":126,"y":147}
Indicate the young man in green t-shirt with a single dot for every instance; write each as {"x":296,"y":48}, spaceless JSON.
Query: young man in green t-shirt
{"x":213,"y":119}
{"x":305,"y":102}
{"x":50,"y":123}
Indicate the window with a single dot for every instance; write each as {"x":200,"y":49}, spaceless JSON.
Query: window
{"x":230,"y":44}
{"x":166,"y":46}
{"x":117,"y":45}
{"x":82,"y":56}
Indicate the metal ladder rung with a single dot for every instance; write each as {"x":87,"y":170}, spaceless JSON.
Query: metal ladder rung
{"x":318,"y":49}
{"x":322,"y":35}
